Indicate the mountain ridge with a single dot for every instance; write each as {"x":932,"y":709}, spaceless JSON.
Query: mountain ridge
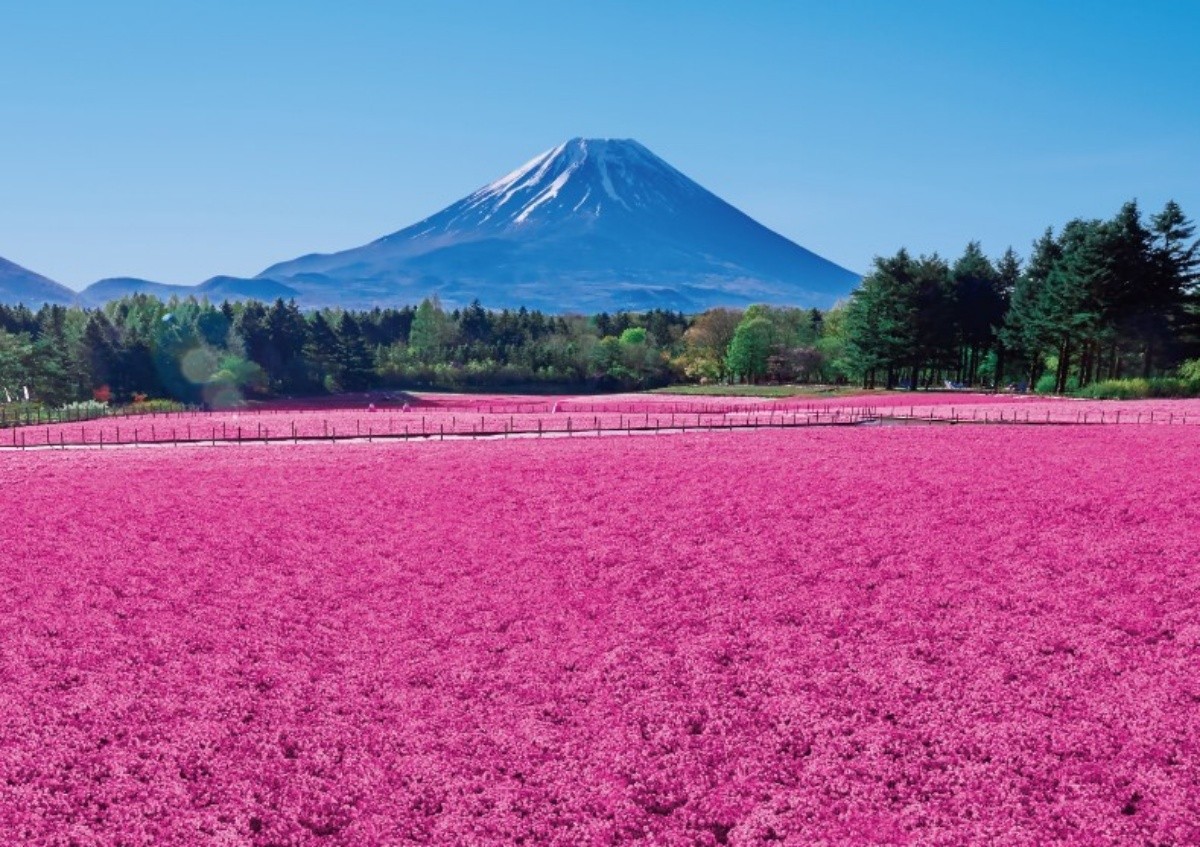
{"x":21,"y":285}
{"x":589,"y":225}
{"x":215,"y":288}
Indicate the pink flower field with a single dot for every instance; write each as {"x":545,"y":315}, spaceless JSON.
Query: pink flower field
{"x":827,"y":636}
{"x":465,"y":415}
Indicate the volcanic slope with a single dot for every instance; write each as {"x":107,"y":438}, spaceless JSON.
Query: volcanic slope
{"x":590,"y":225}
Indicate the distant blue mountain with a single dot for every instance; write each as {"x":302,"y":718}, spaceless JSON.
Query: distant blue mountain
{"x":216,"y":289}
{"x":114,"y":288}
{"x":236,"y":288}
{"x":590,"y":225}
{"x":19,"y":285}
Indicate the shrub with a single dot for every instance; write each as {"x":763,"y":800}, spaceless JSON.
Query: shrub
{"x":1137,"y":389}
{"x":147,"y":407}
{"x":1045,"y":385}
{"x":85,"y":408}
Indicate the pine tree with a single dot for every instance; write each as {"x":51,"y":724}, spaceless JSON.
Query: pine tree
{"x":355,"y":358}
{"x":251,"y":327}
{"x":321,"y":353}
{"x":1008,"y":275}
{"x":1176,"y":257}
{"x":287,"y":334}
{"x":55,"y":373}
{"x":880,"y":323}
{"x":1026,"y":328}
{"x":1077,"y":294}
{"x":979,"y":309}
{"x":98,"y":351}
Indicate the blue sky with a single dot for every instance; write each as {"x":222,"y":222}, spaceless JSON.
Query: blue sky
{"x":177,"y":141}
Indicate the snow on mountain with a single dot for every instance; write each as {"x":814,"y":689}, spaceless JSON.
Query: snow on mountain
{"x":586,"y":226}
{"x":20,"y":285}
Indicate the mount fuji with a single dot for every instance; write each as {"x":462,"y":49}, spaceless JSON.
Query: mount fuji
{"x":591,"y":225}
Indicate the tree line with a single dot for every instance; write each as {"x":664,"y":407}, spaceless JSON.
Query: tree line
{"x":219,"y":354}
{"x":1098,"y":300}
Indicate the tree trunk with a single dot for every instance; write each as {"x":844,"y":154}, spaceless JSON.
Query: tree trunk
{"x":1064,"y":368}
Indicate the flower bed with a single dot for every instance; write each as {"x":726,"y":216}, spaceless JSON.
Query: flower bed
{"x":934,"y":635}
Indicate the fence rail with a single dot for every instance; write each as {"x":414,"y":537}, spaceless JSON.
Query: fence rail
{"x":195,"y":428}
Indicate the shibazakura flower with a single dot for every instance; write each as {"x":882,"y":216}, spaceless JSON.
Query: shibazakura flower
{"x":925,"y":635}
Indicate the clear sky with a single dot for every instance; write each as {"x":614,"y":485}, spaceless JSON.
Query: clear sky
{"x":175,"y":141}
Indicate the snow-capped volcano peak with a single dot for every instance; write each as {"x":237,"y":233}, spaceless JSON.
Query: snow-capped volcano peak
{"x":583,"y":177}
{"x":589,"y":224}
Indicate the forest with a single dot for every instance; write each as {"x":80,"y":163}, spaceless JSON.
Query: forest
{"x":219,"y":354}
{"x":1096,"y":302}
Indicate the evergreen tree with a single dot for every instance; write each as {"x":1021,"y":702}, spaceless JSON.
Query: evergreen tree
{"x":287,"y":334}
{"x":979,"y":309}
{"x":931,"y":310}
{"x":55,"y":373}
{"x":321,"y":354}
{"x":255,"y":336}
{"x":880,"y":323}
{"x":1074,"y":302}
{"x":1176,"y":257}
{"x":1008,"y":274}
{"x":1026,"y":328}
{"x":354,"y":357}
{"x":98,"y":351}
{"x":475,"y":325}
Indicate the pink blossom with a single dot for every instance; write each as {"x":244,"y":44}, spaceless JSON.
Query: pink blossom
{"x":908,"y":635}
